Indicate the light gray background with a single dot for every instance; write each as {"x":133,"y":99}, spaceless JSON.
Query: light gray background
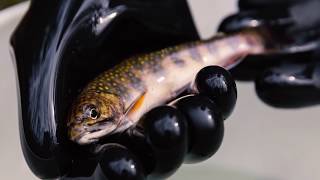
{"x":261,"y":143}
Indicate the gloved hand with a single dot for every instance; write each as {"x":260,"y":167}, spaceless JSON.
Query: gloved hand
{"x":289,"y":79}
{"x":189,"y":130}
{"x":60,"y":45}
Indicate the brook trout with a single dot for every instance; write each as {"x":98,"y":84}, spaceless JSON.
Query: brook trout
{"x":117,"y":98}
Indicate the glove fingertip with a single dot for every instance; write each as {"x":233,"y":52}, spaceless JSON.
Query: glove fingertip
{"x":218,"y":84}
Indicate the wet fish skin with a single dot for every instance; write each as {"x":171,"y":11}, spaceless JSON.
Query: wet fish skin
{"x":117,"y":98}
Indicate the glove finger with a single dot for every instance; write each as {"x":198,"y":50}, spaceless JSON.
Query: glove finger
{"x":217,"y":83}
{"x":117,"y":162}
{"x":166,"y":132}
{"x":253,"y":66}
{"x":205,"y":127}
{"x":263,"y":4}
{"x":278,"y":19}
{"x":290,"y":85}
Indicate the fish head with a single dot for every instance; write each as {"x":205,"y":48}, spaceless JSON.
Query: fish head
{"x":93,"y":116}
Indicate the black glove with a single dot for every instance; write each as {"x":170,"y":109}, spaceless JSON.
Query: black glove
{"x":60,"y":45}
{"x":289,"y":79}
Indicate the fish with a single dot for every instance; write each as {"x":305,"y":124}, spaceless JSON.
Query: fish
{"x":117,"y":98}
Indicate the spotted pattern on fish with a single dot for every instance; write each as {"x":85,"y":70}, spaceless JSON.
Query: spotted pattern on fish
{"x":177,"y":60}
{"x":233,"y":42}
{"x":125,"y":92}
{"x":212,"y":48}
{"x":195,"y":55}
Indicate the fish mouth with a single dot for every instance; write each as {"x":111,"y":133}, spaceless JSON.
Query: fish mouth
{"x":90,"y":137}
{"x":83,"y":139}
{"x":102,"y":122}
{"x":94,"y":132}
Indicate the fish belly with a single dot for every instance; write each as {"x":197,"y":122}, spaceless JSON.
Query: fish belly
{"x":167,"y":84}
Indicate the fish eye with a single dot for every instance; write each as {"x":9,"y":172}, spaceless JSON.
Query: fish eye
{"x":94,"y":113}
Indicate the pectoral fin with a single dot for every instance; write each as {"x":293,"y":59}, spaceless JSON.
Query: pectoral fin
{"x":136,"y":105}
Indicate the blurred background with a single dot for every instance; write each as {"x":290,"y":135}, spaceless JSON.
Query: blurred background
{"x":261,"y":143}
{"x":7,"y":3}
